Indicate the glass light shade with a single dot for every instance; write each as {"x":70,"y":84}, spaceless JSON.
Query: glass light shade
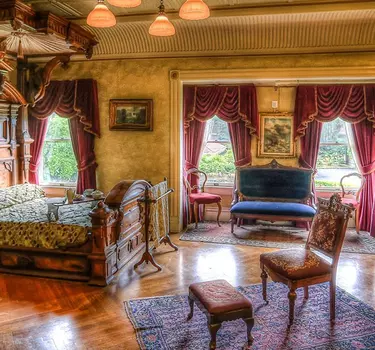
{"x":194,"y":10}
{"x":101,"y":16}
{"x":125,"y":3}
{"x":161,"y":26}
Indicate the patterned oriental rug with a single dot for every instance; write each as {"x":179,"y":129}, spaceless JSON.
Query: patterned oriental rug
{"x":160,"y":323}
{"x":271,"y":237}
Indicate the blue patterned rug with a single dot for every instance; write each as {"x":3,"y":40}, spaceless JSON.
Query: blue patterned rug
{"x":160,"y":323}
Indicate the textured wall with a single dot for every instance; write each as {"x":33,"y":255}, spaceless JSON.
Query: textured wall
{"x":130,"y":154}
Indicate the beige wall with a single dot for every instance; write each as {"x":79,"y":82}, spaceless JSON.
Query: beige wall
{"x":146,"y":155}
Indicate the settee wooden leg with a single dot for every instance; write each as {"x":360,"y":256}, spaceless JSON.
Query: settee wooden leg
{"x":292,"y":295}
{"x":219,"y":208}
{"x":232,"y":219}
{"x":239,"y":222}
{"x":264,"y":277}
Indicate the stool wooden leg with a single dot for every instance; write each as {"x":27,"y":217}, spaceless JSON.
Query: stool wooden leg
{"x":306,"y":292}
{"x":213,"y":328}
{"x":249,"y":324}
{"x":264,"y":283}
{"x":292,"y":295}
{"x":191,"y":303}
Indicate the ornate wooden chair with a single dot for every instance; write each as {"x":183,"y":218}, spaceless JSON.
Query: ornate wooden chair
{"x":303,"y":267}
{"x":353,"y":197}
{"x":197,"y":196}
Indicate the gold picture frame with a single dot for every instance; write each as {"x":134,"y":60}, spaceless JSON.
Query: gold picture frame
{"x":276,"y":136}
{"x":126,"y":114}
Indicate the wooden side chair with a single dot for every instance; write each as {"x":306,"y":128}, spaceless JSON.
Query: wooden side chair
{"x":197,"y":196}
{"x":304,"y":267}
{"x":353,"y":197}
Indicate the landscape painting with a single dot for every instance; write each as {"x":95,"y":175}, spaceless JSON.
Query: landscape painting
{"x":276,"y":135}
{"x":130,"y":115}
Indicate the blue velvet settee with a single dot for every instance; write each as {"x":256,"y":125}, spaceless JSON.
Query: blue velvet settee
{"x":273,"y":193}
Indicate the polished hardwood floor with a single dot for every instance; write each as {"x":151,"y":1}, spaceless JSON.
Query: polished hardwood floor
{"x":37,"y":313}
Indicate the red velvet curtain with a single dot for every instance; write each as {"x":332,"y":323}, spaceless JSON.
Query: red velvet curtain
{"x":355,"y":104}
{"x":236,"y":105}
{"x":77,"y":100}
{"x":38,"y":130}
{"x":364,"y":141}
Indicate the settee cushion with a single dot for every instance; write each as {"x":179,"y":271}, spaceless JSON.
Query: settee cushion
{"x":273,"y":208}
{"x":41,"y":235}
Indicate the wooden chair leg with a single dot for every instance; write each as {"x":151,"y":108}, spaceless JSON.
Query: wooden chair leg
{"x":357,"y":219}
{"x":249,"y":324}
{"x":238,"y":222}
{"x":292,"y":295}
{"x":219,"y":208}
{"x":213,"y":328}
{"x":232,"y":219}
{"x":306,"y":292}
{"x":196,"y":213}
{"x":191,"y":304}
{"x":332,"y":301}
{"x":190,"y":213}
{"x":264,"y":277}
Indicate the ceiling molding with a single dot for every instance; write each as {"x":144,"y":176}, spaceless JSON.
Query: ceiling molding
{"x":251,"y":10}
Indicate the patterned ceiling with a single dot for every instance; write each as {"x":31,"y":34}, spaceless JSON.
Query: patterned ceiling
{"x":236,"y":27}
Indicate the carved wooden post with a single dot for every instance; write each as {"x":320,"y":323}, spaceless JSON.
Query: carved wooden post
{"x":23,"y":136}
{"x":103,"y":256}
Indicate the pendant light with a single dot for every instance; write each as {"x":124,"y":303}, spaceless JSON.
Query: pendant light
{"x":194,"y":10}
{"x":101,"y":16}
{"x":125,"y":3}
{"x":161,"y":26}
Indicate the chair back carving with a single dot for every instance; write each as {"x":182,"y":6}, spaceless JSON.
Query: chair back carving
{"x":355,"y":193}
{"x":329,"y":226}
{"x":196,"y":188}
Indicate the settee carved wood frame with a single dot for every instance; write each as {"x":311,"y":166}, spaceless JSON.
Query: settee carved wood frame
{"x":116,"y":236}
{"x":238,"y":196}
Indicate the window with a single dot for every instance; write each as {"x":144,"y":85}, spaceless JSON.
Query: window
{"x":58,"y":165}
{"x":217,"y":160}
{"x":335,"y":158}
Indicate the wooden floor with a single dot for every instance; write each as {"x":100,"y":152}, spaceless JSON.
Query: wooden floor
{"x":50,"y":314}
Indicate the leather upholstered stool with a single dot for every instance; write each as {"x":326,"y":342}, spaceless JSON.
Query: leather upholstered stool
{"x":220,"y":302}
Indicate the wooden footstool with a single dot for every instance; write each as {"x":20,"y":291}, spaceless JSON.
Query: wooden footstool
{"x":220,"y":302}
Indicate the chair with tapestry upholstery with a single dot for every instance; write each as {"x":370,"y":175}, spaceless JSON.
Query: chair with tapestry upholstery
{"x":303,"y":267}
{"x":197,"y":196}
{"x":353,"y":197}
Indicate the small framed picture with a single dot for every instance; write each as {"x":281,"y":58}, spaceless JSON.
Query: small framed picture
{"x":130,"y":115}
{"x":276,"y":136}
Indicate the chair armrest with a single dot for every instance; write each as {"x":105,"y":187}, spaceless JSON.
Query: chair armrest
{"x":235,"y":197}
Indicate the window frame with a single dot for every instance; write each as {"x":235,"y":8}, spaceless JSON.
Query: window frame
{"x":350,"y":146}
{"x":41,"y":164}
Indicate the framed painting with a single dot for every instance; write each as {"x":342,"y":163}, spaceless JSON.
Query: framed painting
{"x":276,"y":136}
{"x":130,"y":115}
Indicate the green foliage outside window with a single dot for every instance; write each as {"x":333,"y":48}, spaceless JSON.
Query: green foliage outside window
{"x":59,"y":163}
{"x":219,"y":167}
{"x":335,"y":156}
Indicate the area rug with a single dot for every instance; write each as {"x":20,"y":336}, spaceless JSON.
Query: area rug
{"x":271,"y":237}
{"x":160,"y":323}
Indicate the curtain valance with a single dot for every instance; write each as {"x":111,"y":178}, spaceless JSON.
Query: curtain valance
{"x":229,"y":103}
{"x":71,"y":98}
{"x":352,"y":103}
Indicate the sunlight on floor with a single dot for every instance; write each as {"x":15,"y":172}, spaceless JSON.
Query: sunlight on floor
{"x":217,"y":264}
